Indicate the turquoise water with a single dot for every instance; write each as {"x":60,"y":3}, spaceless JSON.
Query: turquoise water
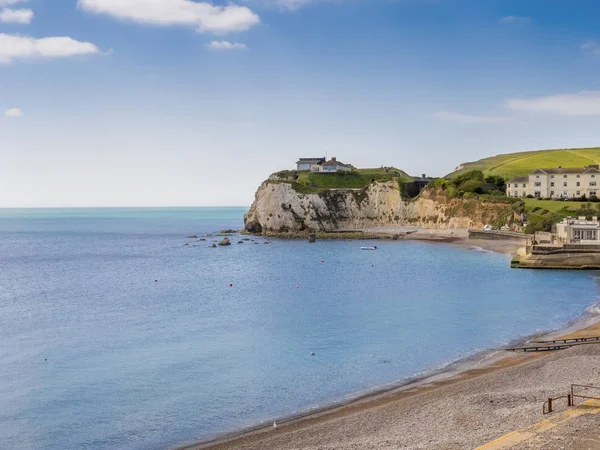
{"x":94,"y":353}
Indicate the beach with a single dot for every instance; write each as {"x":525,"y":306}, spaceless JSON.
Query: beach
{"x":449,"y":411}
{"x":465,"y":405}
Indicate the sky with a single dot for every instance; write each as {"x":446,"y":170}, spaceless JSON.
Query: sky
{"x":190,"y":103}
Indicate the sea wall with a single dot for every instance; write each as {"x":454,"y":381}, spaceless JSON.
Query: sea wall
{"x":278,"y":207}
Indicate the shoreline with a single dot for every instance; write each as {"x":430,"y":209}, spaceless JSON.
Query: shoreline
{"x":464,"y":370}
{"x":459,"y":372}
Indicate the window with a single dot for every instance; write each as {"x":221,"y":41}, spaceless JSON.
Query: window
{"x":578,"y":183}
{"x":565,"y":194}
{"x":538,"y":194}
{"x":564,"y":176}
{"x":551,"y":176}
{"x":585,"y":235}
{"x":592,"y":183}
{"x":508,"y":185}
{"x":578,"y":193}
{"x":516,"y":194}
{"x":565,"y":184}
{"x":537,"y":183}
{"x":552,"y":184}
{"x":524,"y":185}
{"x":578,"y":176}
{"x":593,"y":176}
{"x":551,"y":193}
{"x":592,"y":193}
{"x":537,"y":176}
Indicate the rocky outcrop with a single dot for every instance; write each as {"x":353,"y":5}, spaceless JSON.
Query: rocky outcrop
{"x":278,"y":207}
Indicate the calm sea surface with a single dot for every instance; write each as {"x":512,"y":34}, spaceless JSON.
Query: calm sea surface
{"x":95,"y":354}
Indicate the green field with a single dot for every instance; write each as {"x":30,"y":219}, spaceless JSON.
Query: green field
{"x":553,"y":206}
{"x":520,"y":164}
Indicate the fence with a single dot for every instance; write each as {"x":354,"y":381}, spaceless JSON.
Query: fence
{"x":548,"y":406}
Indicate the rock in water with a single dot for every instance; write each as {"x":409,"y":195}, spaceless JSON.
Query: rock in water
{"x":214,"y":246}
{"x":225,"y":242}
{"x":192,"y":237}
{"x":312,"y":238}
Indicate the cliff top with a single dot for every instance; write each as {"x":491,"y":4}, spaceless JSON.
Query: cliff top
{"x":307,"y":182}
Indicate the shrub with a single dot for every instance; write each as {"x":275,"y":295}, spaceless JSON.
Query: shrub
{"x":473,"y":185}
{"x":495,"y":179}
{"x":467,"y":176}
{"x":538,"y":223}
{"x":469,"y":195}
{"x":440,"y":183}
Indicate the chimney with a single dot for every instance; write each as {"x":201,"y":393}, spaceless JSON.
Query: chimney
{"x":424,"y":176}
{"x":333,"y":158}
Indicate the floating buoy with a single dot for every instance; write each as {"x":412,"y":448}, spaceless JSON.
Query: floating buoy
{"x":230,"y":284}
{"x":156,"y":281}
{"x":297,"y":287}
{"x":312,"y":354}
{"x":322,"y":260}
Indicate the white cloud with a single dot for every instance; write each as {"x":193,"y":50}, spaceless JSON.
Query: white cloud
{"x":202,"y":15}
{"x":290,"y":5}
{"x":8,"y":15}
{"x":467,"y":118}
{"x":226,"y":45}
{"x":584,"y":103}
{"x":515,"y":19}
{"x":13,"y":112}
{"x":11,"y":2}
{"x":14,"y":47}
{"x":592,"y":47}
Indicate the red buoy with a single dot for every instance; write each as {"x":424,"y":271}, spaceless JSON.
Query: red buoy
{"x":230,"y":285}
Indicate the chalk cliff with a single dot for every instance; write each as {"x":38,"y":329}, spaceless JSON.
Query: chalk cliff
{"x":278,"y":207}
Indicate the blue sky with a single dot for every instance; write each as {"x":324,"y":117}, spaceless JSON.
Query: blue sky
{"x":174,"y":102}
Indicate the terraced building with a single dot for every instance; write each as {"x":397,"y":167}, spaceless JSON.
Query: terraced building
{"x":557,"y":183}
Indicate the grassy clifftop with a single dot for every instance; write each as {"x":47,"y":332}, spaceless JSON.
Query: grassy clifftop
{"x":307,"y":182}
{"x":520,"y":164}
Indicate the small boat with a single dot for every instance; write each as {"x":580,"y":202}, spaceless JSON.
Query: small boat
{"x":369,"y":248}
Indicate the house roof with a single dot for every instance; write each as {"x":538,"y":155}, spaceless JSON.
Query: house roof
{"x":519,"y":180}
{"x":331,"y":163}
{"x":310,"y":160}
{"x":564,"y":170}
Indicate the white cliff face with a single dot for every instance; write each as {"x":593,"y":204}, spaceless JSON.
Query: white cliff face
{"x":279,"y":208}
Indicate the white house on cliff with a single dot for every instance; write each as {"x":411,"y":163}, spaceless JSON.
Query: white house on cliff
{"x":321,"y":165}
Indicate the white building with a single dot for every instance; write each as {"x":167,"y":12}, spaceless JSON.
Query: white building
{"x":309,"y":163}
{"x":578,"y":231}
{"x":556,"y":183}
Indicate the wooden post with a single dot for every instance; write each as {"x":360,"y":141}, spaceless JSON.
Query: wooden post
{"x":549,"y":405}
{"x":569,"y":400}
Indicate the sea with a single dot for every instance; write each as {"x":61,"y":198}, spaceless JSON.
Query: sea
{"x":119,"y":330}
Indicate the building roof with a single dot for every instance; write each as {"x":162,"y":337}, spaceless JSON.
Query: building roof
{"x":332,"y":162}
{"x":310,"y":160}
{"x":565,"y":170}
{"x":519,"y":180}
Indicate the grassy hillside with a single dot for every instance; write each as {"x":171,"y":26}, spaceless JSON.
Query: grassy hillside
{"x":519,"y":164}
